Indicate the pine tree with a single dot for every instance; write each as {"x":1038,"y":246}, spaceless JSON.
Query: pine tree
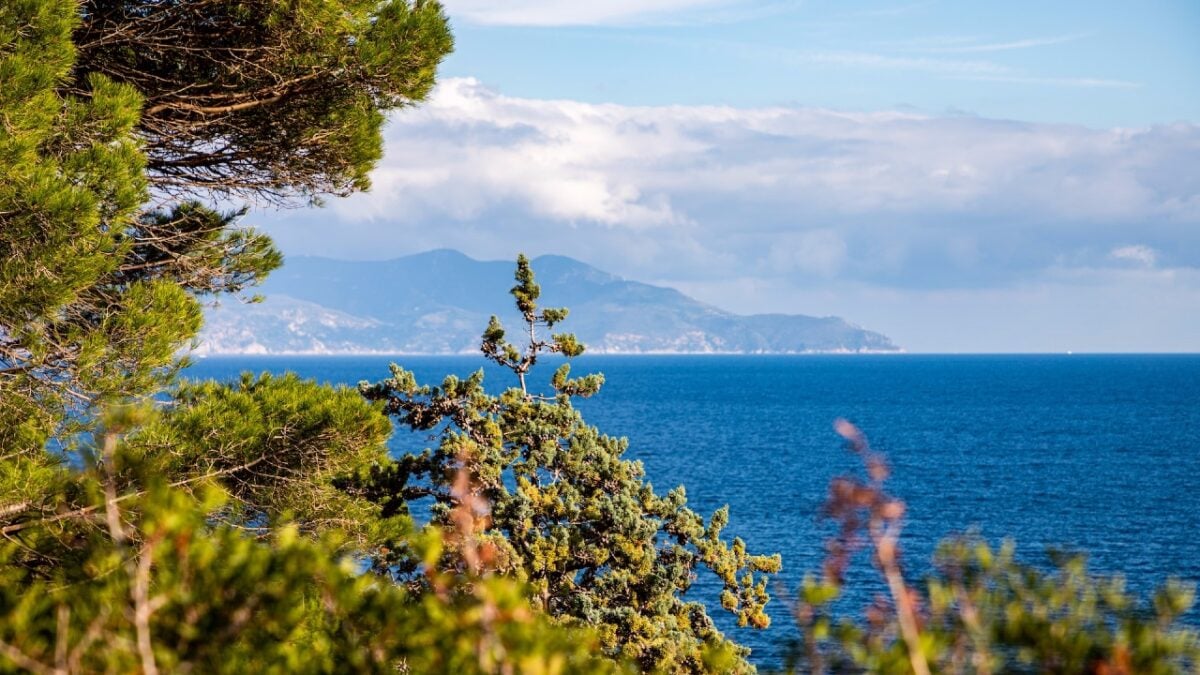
{"x":72,"y":182}
{"x":598,"y":546}
{"x":262,"y":99}
{"x":96,"y":296}
{"x":104,"y":101}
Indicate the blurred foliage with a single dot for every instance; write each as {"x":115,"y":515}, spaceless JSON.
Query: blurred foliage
{"x":981,"y":611}
{"x":161,"y":586}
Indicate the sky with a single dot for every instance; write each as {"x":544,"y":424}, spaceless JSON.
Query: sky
{"x":962,"y":176}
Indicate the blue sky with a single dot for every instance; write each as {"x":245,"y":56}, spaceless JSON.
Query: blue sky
{"x":1096,"y":63}
{"x":963,"y":176}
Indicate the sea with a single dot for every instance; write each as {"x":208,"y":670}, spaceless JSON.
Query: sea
{"x":1091,"y":453}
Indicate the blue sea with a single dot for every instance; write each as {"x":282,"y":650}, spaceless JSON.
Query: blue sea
{"x":1081,"y":452}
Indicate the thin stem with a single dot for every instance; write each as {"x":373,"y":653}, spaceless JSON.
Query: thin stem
{"x":142,"y":608}
{"x":885,"y":547}
{"x":61,"y":637}
{"x":22,"y":660}
{"x":970,"y":618}
{"x":111,"y":512}
{"x":16,"y":527}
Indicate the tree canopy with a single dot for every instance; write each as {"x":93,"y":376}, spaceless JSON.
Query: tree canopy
{"x":208,"y":533}
{"x":118,"y":116}
{"x":258,"y":98}
{"x":158,"y":586}
{"x":70,"y":331}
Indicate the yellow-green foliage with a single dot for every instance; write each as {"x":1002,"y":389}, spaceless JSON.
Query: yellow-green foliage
{"x":222,"y":531}
{"x":597,"y":545}
{"x":260,"y":526}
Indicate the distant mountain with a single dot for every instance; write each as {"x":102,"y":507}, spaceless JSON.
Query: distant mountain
{"x":439,"y":302}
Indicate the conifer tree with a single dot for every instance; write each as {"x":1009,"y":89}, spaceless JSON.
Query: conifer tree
{"x":104,"y":102}
{"x":96,"y":296}
{"x":262,"y":99}
{"x":72,"y":182}
{"x":568,"y":514}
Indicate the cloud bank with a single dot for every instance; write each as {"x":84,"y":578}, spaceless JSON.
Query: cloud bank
{"x":789,"y":198}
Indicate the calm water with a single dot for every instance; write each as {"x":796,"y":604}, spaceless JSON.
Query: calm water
{"x":1086,"y":452}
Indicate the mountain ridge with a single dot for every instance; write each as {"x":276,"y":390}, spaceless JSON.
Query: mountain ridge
{"x":439,"y":301}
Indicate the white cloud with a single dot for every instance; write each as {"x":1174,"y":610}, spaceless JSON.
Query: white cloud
{"x":944,"y":232}
{"x":469,"y":149}
{"x":1079,"y":82}
{"x":796,"y":197}
{"x":974,"y":47}
{"x":1137,"y":253}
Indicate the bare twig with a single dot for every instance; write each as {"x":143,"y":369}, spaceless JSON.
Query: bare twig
{"x":850,"y":500}
{"x":24,"y":661}
{"x":111,"y":512}
{"x":142,"y":607}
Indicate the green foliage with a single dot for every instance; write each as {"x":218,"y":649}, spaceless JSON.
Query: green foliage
{"x":496,"y":348}
{"x":162,"y":588}
{"x":1063,"y":621}
{"x":73,"y":181}
{"x":985,"y":612}
{"x":266,"y":99}
{"x":221,"y":531}
{"x":260,"y":98}
{"x":95,"y":297}
{"x":279,"y":446}
{"x":199,"y":249}
{"x":105,"y":98}
{"x":582,"y":526}
{"x":260,"y":526}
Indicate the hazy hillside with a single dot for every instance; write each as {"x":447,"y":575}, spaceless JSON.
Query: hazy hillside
{"x":439,"y":302}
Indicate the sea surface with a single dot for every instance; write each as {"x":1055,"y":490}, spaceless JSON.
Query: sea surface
{"x":1080,"y":452}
